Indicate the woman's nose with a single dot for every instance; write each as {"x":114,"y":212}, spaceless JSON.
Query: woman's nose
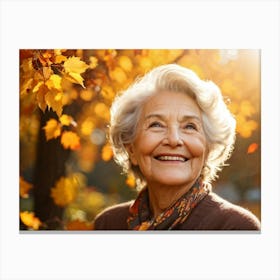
{"x":173,"y":137}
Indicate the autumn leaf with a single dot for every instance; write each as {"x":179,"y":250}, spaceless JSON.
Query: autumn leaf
{"x":75,"y":78}
{"x":66,"y":120}
{"x":64,"y":191}
{"x":70,"y":140}
{"x":24,"y":187}
{"x":29,"y":219}
{"x":52,"y":129}
{"x":74,"y":67}
{"x":54,"y":82}
{"x":252,"y":148}
{"x":54,"y":100}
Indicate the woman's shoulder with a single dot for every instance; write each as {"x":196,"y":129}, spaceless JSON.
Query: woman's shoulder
{"x":113,"y":217}
{"x":216,"y":213}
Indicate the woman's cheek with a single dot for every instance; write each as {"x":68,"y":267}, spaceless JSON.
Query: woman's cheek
{"x":196,"y":145}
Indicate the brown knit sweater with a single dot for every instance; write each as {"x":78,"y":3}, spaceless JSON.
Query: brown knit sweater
{"x":212,"y":213}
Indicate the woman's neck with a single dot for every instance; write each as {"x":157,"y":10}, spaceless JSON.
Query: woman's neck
{"x":161,"y":197}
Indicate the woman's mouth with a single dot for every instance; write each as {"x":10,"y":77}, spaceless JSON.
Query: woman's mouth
{"x":171,"y":158}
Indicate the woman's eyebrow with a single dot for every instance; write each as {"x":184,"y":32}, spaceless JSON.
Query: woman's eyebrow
{"x":183,"y":118}
{"x":191,"y":117}
{"x":156,"y":116}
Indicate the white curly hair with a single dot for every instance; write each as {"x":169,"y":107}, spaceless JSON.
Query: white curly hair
{"x":218,"y":123}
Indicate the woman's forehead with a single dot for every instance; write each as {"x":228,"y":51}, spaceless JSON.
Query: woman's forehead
{"x":171,"y":103}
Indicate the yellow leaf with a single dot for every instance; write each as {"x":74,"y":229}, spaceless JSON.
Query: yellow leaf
{"x":64,"y":191}
{"x":54,"y":101}
{"x":52,"y":129}
{"x":37,"y":86}
{"x":107,"y":152}
{"x":66,"y":120}
{"x":93,"y":62}
{"x":75,"y":65}
{"x":47,"y":71}
{"x":60,"y":58}
{"x":26,"y":86}
{"x":41,"y":90}
{"x":24,"y":187}
{"x":29,"y":219}
{"x":70,"y":140}
{"x":75,"y":78}
{"x":54,"y":82}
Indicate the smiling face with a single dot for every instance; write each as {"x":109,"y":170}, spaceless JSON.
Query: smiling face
{"x":170,"y":144}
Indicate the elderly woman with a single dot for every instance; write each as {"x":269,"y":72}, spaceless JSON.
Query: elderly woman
{"x":173,"y":132}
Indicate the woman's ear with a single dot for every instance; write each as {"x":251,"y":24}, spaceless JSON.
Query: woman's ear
{"x":131,"y":153}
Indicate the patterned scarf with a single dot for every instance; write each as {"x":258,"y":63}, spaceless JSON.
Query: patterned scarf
{"x":141,"y":217}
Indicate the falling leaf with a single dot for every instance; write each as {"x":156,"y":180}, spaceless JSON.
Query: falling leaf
{"x":52,"y":129}
{"x":64,"y":191}
{"x":24,"y":187}
{"x":107,"y":152}
{"x":66,"y":120}
{"x":70,"y":140}
{"x":29,"y":219}
{"x":252,"y":148}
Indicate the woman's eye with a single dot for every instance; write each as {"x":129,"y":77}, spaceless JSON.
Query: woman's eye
{"x":155,"y":124}
{"x":191,"y":126}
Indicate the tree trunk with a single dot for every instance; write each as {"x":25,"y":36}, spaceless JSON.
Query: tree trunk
{"x":50,"y":166}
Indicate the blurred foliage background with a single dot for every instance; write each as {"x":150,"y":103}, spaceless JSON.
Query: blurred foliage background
{"x":67,"y":174}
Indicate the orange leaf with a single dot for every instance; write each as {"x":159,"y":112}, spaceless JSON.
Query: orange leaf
{"x":66,"y":120}
{"x":252,"y":148}
{"x":52,"y":129}
{"x":24,"y":187}
{"x":65,"y":191}
{"x":29,"y":219}
{"x":70,"y":140}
